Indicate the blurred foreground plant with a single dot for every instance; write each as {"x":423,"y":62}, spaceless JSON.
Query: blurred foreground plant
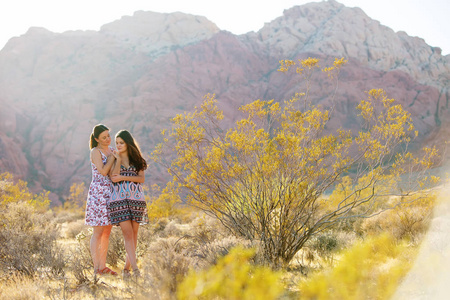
{"x":368,"y":270}
{"x":233,"y":277}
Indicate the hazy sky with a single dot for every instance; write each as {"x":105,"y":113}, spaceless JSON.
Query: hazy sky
{"x":428,"y":19}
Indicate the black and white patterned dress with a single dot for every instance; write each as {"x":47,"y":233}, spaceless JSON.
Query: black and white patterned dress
{"x":127,"y":200}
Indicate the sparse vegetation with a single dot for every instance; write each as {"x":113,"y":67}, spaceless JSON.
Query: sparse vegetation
{"x":28,"y":236}
{"x":195,"y":257}
{"x":279,"y":208}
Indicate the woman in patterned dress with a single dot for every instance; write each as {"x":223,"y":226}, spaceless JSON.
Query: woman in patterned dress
{"x":127,"y":206}
{"x":102,"y":159}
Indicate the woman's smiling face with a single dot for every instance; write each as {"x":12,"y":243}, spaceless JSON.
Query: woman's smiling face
{"x":104,"y":139}
{"x":121,"y":146}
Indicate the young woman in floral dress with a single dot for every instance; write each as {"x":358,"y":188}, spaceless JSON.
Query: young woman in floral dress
{"x":102,"y":159}
{"x":127,"y":206}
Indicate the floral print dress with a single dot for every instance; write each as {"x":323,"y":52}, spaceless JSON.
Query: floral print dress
{"x":98,"y":197}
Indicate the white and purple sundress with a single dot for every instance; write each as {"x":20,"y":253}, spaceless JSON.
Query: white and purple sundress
{"x":98,"y":197}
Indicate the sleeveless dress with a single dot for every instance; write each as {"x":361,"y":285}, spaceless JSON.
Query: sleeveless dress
{"x":98,"y":197}
{"x":127,"y":200}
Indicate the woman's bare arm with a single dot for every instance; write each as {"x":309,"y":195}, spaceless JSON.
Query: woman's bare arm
{"x":139,"y":178}
{"x":115,"y":169}
{"x":96,"y":158}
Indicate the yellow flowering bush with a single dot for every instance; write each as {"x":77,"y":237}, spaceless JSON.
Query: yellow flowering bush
{"x":12,"y":192}
{"x":76,"y":201}
{"x":264,"y":177}
{"x":163,"y":204}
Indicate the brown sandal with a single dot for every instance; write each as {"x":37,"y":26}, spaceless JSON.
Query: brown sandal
{"x":126,"y":273}
{"x":107,"y":270}
{"x":136,"y":273}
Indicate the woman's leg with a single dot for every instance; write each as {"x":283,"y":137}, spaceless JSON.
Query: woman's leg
{"x":104,"y":243}
{"x":95,"y":246}
{"x":128,"y":235}
{"x":135,"y":226}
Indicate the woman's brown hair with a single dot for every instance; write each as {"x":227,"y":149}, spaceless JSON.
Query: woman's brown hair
{"x":96,"y":131}
{"x":134,"y":152}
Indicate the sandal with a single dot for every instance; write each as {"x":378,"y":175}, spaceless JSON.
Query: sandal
{"x":126,"y":273}
{"x":107,"y":270}
{"x":136,"y":273}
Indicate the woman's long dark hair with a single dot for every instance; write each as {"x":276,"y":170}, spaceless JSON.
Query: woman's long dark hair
{"x":96,"y":131}
{"x":134,"y":152}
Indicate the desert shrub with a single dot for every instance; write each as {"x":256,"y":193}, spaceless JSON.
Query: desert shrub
{"x":145,"y":237}
{"x":80,"y":261}
{"x":371,"y":269}
{"x":409,"y":220}
{"x":76,"y":201}
{"x":116,"y":250}
{"x":264,"y":177}
{"x":164,"y":203}
{"x":345,"y":239}
{"x":11,"y":192}
{"x":207,"y":240}
{"x":321,"y":251}
{"x":66,"y":216}
{"x":71,"y":229}
{"x":174,"y":228}
{"x":325,"y":245}
{"x":29,"y":241}
{"x":159,"y":225}
{"x":73,"y":208}
{"x":167,"y":264}
{"x":205,"y":249}
{"x":234,"y":277}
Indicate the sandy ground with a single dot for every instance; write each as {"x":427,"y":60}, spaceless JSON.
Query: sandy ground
{"x":430,"y":276}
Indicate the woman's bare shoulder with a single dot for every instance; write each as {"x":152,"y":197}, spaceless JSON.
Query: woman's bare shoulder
{"x":95,"y":152}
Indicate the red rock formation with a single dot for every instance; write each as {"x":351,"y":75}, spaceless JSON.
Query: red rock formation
{"x":139,"y":72}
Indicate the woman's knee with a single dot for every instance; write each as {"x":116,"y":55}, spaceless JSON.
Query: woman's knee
{"x":127,"y":231}
{"x":107,"y":231}
{"x":98,"y":232}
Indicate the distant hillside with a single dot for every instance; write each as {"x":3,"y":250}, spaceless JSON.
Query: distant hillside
{"x":140,"y":71}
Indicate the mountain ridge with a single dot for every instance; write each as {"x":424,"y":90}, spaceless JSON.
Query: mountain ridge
{"x":55,"y":87}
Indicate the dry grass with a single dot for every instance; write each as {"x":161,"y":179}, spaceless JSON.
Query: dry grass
{"x":408,"y":222}
{"x":168,"y":249}
{"x":18,"y":287}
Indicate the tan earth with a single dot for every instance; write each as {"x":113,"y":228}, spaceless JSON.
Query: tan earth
{"x":430,"y":276}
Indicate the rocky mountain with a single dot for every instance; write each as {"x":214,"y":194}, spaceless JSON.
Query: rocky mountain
{"x":140,"y":71}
